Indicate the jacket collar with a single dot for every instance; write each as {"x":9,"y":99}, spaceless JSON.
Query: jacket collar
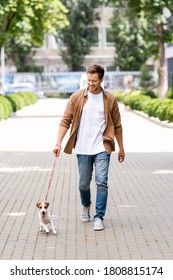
{"x":85,"y":91}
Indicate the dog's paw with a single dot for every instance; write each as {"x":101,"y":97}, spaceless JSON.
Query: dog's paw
{"x":54,"y":231}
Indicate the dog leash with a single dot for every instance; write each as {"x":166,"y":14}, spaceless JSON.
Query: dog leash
{"x":51,"y":178}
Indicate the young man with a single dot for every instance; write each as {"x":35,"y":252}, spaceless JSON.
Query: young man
{"x":95,"y":121}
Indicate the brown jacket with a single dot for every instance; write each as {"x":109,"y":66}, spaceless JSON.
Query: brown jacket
{"x":73,"y":113}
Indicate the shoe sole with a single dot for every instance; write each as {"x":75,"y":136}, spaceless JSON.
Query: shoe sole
{"x":98,"y":229}
{"x":85,"y":221}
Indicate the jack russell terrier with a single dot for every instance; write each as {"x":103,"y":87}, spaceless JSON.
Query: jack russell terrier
{"x":45,"y":217}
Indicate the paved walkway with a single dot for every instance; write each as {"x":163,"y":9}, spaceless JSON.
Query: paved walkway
{"x":139,"y":219}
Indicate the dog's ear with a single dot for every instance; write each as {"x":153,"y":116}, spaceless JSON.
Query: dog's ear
{"x":38,"y":204}
{"x":46,"y":205}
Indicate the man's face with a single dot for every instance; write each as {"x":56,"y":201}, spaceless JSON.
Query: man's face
{"x":94,"y":83}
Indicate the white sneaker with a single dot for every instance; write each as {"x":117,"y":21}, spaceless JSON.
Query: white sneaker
{"x":98,"y":224}
{"x":85,"y":216}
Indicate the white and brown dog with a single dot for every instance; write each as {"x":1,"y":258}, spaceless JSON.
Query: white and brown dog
{"x":45,"y":217}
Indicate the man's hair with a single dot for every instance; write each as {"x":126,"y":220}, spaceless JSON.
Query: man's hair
{"x":96,"y":69}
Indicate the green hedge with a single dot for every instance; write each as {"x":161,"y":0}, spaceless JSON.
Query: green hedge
{"x":14,"y":102}
{"x":5,"y":108}
{"x":161,"y":108}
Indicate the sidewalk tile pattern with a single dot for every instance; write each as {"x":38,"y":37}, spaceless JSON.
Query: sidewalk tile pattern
{"x":139,"y":218}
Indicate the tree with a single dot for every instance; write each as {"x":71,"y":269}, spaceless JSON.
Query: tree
{"x":127,"y":33}
{"x":76,"y":39}
{"x":27,"y":21}
{"x":146,"y":79}
{"x":22,"y":57}
{"x":160,"y":31}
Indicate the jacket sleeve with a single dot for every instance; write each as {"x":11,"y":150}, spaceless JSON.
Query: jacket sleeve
{"x":68,"y":114}
{"x":116,"y":118}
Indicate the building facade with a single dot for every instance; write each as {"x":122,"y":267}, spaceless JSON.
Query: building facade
{"x":169,"y":58}
{"x":169,"y":52}
{"x":48,"y":56}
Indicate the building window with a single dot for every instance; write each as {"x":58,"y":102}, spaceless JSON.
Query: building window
{"x":109,"y":37}
{"x":95,"y":36}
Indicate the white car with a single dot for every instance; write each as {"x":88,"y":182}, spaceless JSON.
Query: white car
{"x":23,"y":87}
{"x":1,"y":89}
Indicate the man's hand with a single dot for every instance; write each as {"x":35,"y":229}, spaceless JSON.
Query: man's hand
{"x":121,"y":156}
{"x":57,"y":150}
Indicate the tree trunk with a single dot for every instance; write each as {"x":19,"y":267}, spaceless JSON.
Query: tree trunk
{"x":162,"y":67}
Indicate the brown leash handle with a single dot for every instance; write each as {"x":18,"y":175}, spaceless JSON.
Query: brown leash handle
{"x":51,"y":176}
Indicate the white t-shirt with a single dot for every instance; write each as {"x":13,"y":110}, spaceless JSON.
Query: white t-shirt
{"x":92,"y":125}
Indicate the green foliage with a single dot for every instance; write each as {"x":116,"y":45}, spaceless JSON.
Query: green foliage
{"x":21,"y":99}
{"x":169,"y":93}
{"x":80,"y":35}
{"x":119,"y":96}
{"x":169,"y":112}
{"x":28,"y":97}
{"x":17,"y":102}
{"x":127,"y":31}
{"x":13,"y":102}
{"x":162,"y":109}
{"x":146,"y":79}
{"x":172,"y":86}
{"x":153,"y":107}
{"x":30,"y":68}
{"x":149,"y":93}
{"x":5,"y":108}
{"x":21,"y":56}
{"x":157,"y":32}
{"x":150,"y":107}
{"x":135,"y":102}
{"x":27,"y":21}
{"x":160,"y":31}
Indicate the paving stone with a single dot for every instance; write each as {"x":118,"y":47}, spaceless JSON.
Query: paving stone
{"x":138,"y":222}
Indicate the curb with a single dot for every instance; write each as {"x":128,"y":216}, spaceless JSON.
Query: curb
{"x":165,"y":124}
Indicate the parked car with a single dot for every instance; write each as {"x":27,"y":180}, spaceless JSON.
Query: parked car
{"x":23,"y":87}
{"x":1,"y":89}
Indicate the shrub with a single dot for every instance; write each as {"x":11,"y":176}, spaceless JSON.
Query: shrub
{"x":151,"y":106}
{"x":161,"y":108}
{"x":161,"y":111}
{"x":135,"y":102}
{"x":169,"y":113}
{"x":16,"y":102}
{"x":5,"y":108}
{"x":119,"y":96}
{"x":169,"y":93}
{"x":21,"y":99}
{"x":13,"y":102}
{"x":28,"y":97}
{"x":149,"y":93}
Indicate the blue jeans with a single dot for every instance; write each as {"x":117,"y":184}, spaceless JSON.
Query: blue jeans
{"x":85,"y":165}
